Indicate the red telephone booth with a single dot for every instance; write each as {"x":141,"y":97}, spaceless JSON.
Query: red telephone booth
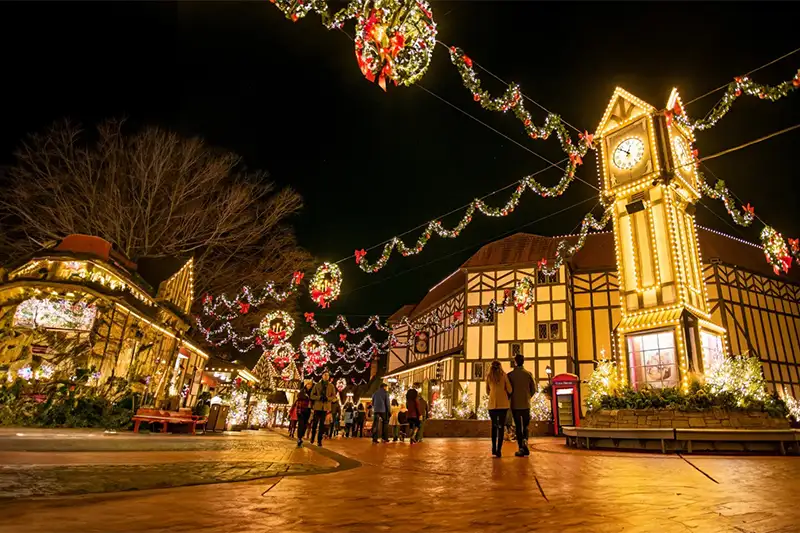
{"x":566,"y":405}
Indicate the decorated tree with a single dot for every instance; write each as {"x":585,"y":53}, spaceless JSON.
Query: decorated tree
{"x":602,"y":382}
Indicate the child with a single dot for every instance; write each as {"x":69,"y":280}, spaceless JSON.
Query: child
{"x":393,"y":427}
{"x":402,"y":422}
{"x":348,"y":419}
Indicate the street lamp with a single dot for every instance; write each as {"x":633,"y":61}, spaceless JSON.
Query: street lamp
{"x":549,"y":372}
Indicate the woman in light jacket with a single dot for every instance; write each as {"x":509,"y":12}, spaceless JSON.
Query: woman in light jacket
{"x":499,"y":388}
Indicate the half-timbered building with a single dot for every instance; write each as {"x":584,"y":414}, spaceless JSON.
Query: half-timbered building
{"x":447,"y":340}
{"x":80,"y":305}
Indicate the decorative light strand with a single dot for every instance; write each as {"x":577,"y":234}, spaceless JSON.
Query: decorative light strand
{"x":739,"y":86}
{"x":435,"y":226}
{"x":224,"y":309}
{"x":341,"y":320}
{"x":512,"y":99}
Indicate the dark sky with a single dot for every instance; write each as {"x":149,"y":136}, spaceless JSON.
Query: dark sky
{"x":289,"y":98}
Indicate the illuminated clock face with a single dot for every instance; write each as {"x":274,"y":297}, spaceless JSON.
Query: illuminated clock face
{"x":628,"y":153}
{"x":681,"y":152}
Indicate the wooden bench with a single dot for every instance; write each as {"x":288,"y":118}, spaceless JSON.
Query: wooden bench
{"x":573,"y":434}
{"x":165,"y":418}
{"x":742,"y":436}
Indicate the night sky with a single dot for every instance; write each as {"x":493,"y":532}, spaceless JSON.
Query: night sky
{"x":289,"y":99}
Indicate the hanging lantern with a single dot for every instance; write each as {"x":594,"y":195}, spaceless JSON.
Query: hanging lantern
{"x":326,"y":284}
{"x":282,"y":354}
{"x":524,"y":295}
{"x":395,"y":40}
{"x":276,"y":327}
{"x":315,"y":350}
{"x":341,"y":384}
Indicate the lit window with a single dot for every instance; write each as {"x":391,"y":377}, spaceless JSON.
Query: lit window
{"x":55,"y":314}
{"x":544,"y":279}
{"x":652,"y":360}
{"x":712,"y":350}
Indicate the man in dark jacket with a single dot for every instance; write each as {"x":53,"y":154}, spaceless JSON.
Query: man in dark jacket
{"x":381,"y":409}
{"x":523,"y":388}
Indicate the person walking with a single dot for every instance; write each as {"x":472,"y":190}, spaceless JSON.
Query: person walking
{"x":303,"y":405}
{"x":414,"y":413}
{"x":361,"y":418}
{"x":293,"y":419}
{"x":424,"y":409}
{"x":523,"y":389}
{"x":393,"y":419}
{"x":380,"y":420}
{"x":322,"y":394}
{"x":499,"y":388}
{"x":348,"y":419}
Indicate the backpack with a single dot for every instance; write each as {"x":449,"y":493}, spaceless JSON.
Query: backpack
{"x":402,"y":418}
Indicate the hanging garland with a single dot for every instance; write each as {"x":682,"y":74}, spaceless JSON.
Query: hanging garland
{"x":395,"y":40}
{"x":740,"y":85}
{"x":276,"y":326}
{"x":435,"y":226}
{"x":565,"y":251}
{"x":512,"y":99}
{"x":231,"y":336}
{"x":524,"y":294}
{"x":775,"y":250}
{"x":315,"y":350}
{"x":294,"y":10}
{"x":342,"y":321}
{"x":326,"y":284}
{"x":225,"y":309}
{"x":720,"y":191}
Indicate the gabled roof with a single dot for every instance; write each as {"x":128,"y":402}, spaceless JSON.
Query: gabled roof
{"x":401,"y":313}
{"x":156,"y":270}
{"x":622,"y":107}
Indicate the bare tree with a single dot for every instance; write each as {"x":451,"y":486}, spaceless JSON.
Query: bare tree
{"x":152,"y":193}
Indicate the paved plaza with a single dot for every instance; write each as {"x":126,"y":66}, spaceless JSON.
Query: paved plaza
{"x":259,"y":482}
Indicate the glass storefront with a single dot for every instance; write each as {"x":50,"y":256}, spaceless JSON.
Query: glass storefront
{"x":652,"y":360}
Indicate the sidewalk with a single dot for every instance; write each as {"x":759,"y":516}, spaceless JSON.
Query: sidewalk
{"x":64,"y":462}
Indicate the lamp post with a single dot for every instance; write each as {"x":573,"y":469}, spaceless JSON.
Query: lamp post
{"x":549,"y":372}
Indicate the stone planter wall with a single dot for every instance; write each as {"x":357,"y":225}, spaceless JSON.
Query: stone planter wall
{"x":671,"y":418}
{"x":435,"y":428}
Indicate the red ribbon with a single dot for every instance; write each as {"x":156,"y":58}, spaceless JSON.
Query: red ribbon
{"x":297,"y":277}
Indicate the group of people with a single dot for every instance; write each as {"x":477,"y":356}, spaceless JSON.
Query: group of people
{"x":406,"y":420}
{"x":319,"y":403}
{"x":510,"y":391}
{"x":509,"y":394}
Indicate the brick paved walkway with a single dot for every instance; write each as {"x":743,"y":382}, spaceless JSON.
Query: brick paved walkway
{"x":452,"y":485}
{"x":48,"y":463}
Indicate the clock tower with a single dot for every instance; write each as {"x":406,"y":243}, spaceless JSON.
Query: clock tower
{"x":648,"y":176}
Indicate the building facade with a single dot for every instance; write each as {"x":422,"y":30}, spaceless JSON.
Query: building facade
{"x":447,"y":341}
{"x":82,"y":306}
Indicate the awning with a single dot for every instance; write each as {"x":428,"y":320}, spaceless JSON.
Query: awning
{"x":650,"y":319}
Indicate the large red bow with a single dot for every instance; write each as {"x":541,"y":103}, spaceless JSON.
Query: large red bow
{"x":321,"y":296}
{"x":360,"y":255}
